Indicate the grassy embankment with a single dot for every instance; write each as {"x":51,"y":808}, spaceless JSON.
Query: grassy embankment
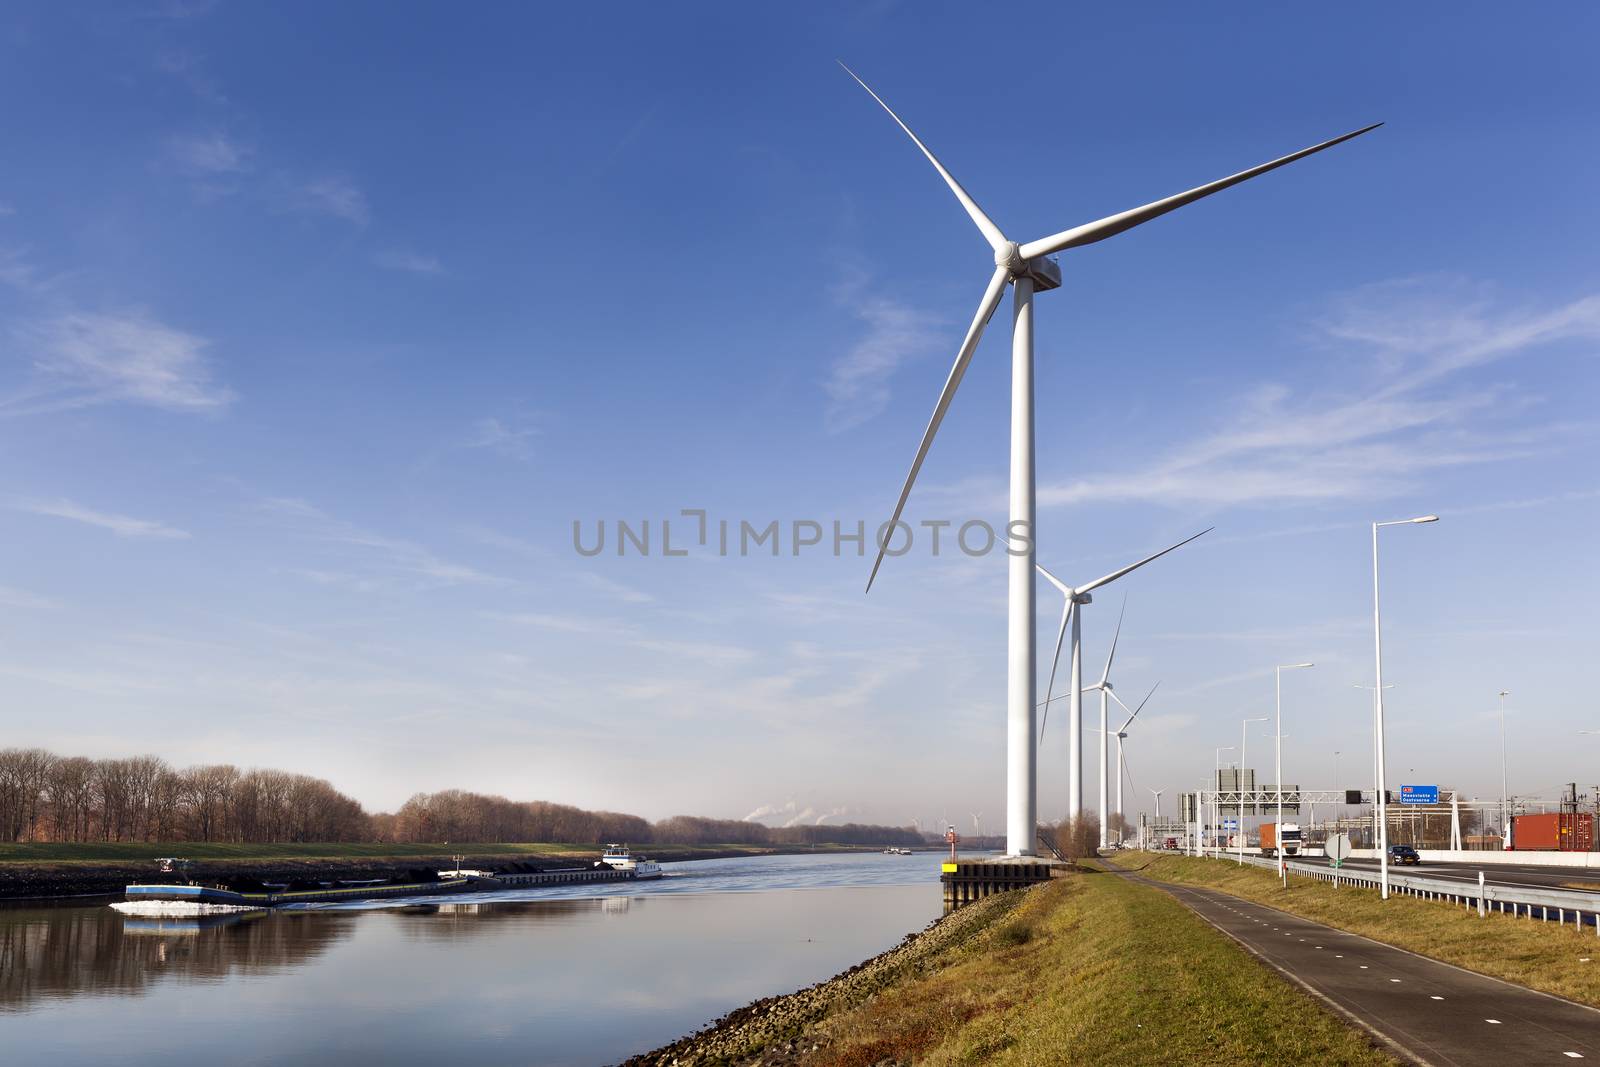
{"x":1090,"y":969}
{"x":134,"y":852}
{"x":1556,"y":959}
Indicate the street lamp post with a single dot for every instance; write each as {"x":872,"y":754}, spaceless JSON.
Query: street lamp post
{"x":1340,"y":818}
{"x":1377,"y":645}
{"x":1216,"y":783}
{"x":1244,"y":729}
{"x":1283,"y":867}
{"x":1504,"y":820}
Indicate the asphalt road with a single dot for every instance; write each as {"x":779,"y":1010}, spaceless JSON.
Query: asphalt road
{"x":1425,"y":1010}
{"x":1496,"y":874}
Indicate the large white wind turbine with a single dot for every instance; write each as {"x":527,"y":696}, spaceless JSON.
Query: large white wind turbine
{"x":1027,"y":268}
{"x":1074,"y":598}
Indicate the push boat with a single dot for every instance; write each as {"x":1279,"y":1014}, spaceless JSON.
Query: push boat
{"x":619,"y":858}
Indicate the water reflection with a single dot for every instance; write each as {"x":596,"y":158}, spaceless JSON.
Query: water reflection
{"x":59,"y":952}
{"x":576,"y":981}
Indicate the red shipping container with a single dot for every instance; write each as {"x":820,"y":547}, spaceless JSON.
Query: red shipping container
{"x":1553,"y":833}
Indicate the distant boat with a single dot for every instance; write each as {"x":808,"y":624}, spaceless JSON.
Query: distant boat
{"x":893,"y":851}
{"x":619,"y":858}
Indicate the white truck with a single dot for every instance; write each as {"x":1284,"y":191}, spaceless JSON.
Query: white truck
{"x":1272,"y":839}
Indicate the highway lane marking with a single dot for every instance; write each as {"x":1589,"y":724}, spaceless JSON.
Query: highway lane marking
{"x":1493,"y":1022}
{"x":1435,"y":998}
{"x":1573,"y":1055}
{"x":1394,"y":979}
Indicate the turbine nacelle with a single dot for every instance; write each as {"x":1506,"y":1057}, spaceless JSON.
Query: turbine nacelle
{"x":1044,"y":272}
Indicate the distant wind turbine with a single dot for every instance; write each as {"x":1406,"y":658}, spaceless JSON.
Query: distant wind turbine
{"x":1027,"y":268}
{"x":1122,"y":735}
{"x":1075,"y":597}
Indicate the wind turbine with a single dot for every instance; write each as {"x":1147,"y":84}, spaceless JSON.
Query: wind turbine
{"x":1104,"y":686}
{"x":1075,"y":597}
{"x":1122,"y":735}
{"x":1028,"y":268}
{"x":1107,"y":694}
{"x":1158,"y":793}
{"x":976,"y":830}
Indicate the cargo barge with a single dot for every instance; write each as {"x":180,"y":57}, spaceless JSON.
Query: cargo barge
{"x":617,"y":864}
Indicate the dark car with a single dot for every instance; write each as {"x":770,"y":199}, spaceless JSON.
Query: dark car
{"x":1400,"y":854}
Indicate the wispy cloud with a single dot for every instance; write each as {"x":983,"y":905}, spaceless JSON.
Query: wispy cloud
{"x":408,"y":261}
{"x":87,"y":358}
{"x":335,"y":195}
{"x":498,"y":436}
{"x":17,"y":271}
{"x":858,"y":382}
{"x":1283,"y":447}
{"x":575,"y":624}
{"x":121,"y":525}
{"x":12,"y":597}
{"x":394,"y":554}
{"x":209,"y":153}
{"x":625,"y":593}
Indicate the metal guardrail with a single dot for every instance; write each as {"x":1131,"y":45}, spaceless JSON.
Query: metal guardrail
{"x":1534,"y":902}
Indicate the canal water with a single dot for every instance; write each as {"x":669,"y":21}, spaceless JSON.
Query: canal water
{"x":568,"y":975}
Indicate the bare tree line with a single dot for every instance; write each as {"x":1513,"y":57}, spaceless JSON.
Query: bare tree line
{"x":45,"y":797}
{"x":455,"y":815}
{"x":50,"y":798}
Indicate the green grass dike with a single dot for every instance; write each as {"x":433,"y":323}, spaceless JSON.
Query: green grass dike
{"x":1564,"y":960}
{"x":1088,"y":969}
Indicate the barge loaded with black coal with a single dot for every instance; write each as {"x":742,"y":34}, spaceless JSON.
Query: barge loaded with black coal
{"x":191,"y":895}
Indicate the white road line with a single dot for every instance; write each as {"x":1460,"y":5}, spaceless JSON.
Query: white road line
{"x":1394,"y":979}
{"x":1573,"y":1055}
{"x":1493,"y":1022}
{"x":1435,"y":998}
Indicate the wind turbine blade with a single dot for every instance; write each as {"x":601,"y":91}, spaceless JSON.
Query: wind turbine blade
{"x":1106,"y":677}
{"x":1066,"y":590}
{"x":991,"y":300}
{"x":1112,"y":225}
{"x":991,"y":232}
{"x":1128,"y":772}
{"x":1138,"y":709}
{"x":1066,"y":615}
{"x":1114,"y":575}
{"x":1124,"y":708}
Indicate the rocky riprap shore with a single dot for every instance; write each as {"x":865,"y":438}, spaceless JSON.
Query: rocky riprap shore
{"x":774,"y":1030}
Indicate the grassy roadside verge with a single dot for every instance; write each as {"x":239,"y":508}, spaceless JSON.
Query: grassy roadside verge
{"x":1090,"y":969}
{"x":1537,"y":955}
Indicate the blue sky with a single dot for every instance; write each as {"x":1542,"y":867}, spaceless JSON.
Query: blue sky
{"x":320,"y":327}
